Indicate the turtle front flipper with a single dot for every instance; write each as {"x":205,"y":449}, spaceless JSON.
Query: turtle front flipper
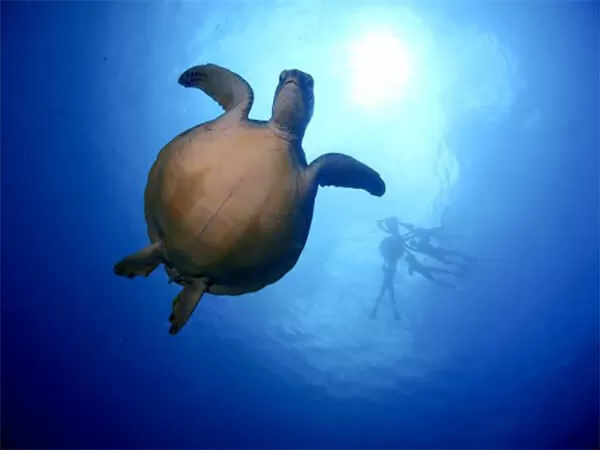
{"x":336,"y":169}
{"x":227,"y":88}
{"x":141,"y":263}
{"x":185,"y":303}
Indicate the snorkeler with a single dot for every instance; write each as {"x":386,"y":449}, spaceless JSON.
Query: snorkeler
{"x":428,"y":234}
{"x":389,"y":226}
{"x":421,"y":240}
{"x":449,"y":257}
{"x":391,"y":249}
{"x":414,"y":265}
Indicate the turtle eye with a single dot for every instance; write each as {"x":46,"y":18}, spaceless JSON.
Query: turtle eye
{"x":282,"y":75}
{"x":310,"y":82}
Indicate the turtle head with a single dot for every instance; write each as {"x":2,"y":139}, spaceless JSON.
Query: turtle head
{"x":294,"y":102}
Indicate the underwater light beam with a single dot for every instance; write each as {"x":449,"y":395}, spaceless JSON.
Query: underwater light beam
{"x":381,"y":67}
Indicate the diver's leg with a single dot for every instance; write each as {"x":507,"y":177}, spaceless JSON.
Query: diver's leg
{"x":393,"y":299}
{"x":464,"y":261}
{"x":442,"y":259}
{"x":445,"y":259}
{"x":460,"y":265}
{"x":440,"y":270}
{"x":460,"y":255}
{"x":427,"y":273}
{"x":453,"y":257}
{"x":373,"y":314}
{"x":443,"y":283}
{"x":391,"y":274}
{"x":458,"y":273}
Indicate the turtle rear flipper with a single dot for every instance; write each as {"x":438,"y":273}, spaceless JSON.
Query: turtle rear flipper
{"x":336,"y":169}
{"x":225,"y":87}
{"x":141,"y":263}
{"x":185,"y":303}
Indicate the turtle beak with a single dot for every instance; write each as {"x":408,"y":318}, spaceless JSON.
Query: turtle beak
{"x":297,"y":77}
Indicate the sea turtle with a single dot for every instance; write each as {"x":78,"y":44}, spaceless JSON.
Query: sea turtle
{"x":229,"y":202}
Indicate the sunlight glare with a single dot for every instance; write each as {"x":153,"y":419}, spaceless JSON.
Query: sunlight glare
{"x":381,"y":67}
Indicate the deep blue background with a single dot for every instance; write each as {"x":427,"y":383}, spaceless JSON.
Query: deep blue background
{"x":69,"y":381}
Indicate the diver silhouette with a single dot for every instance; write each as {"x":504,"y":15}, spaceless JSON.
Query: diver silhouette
{"x":445,"y":256}
{"x":414,"y":265}
{"x":420,"y":233}
{"x":389,"y":225}
{"x":422,"y":241}
{"x":391,"y":249}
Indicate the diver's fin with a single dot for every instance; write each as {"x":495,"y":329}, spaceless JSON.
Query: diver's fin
{"x":141,"y":263}
{"x":225,"y":87}
{"x":336,"y":169}
{"x":185,"y":303}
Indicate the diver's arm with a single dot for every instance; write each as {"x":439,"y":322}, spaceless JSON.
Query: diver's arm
{"x":410,"y":245}
{"x":438,"y":233}
{"x":381,"y":226}
{"x":406,"y":225}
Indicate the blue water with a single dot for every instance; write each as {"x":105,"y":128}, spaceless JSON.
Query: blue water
{"x":494,"y":135}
